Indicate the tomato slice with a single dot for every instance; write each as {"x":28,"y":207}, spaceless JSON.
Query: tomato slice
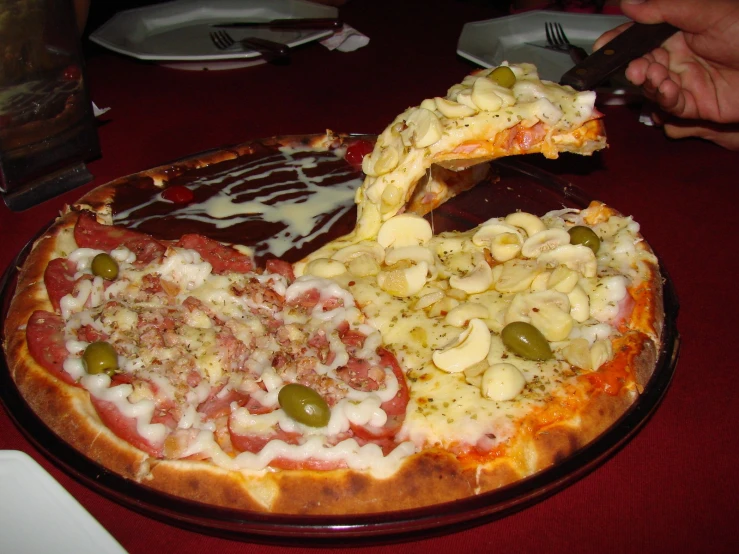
{"x":223,"y":258}
{"x":72,"y":72}
{"x":356,"y":152}
{"x":46,"y":343}
{"x":179,"y":194}
{"x":88,"y":233}
{"x":397,"y":405}
{"x":215,"y":406}
{"x":394,"y":408}
{"x":255,"y":442}
{"x":59,"y":280}
{"x":280,"y":267}
{"x":124,"y":427}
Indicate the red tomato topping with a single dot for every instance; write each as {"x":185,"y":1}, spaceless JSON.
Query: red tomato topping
{"x":398,"y":404}
{"x":59,"y":279}
{"x":254,"y":443}
{"x":46,"y":343}
{"x":356,"y":152}
{"x":395,"y":409}
{"x":124,"y":427}
{"x":222,"y":258}
{"x":72,"y":72}
{"x":215,"y":406}
{"x":179,"y":194}
{"x":280,"y":267}
{"x":88,"y":233}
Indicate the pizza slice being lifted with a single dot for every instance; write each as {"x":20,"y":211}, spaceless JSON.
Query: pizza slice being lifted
{"x":492,"y":113}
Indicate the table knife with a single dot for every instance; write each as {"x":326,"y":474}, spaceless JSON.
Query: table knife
{"x":286,"y":24}
{"x":634,"y":42}
{"x":271,"y":51}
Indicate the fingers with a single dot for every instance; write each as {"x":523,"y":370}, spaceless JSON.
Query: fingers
{"x":652,"y":73}
{"x":645,"y":11}
{"x":722,"y":134}
{"x":670,"y":97}
{"x":655,"y":75}
{"x":636,"y":72}
{"x":608,"y":36}
{"x":689,"y":15}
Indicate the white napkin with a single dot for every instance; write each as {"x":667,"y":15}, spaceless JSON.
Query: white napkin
{"x":98,"y":111}
{"x":347,"y":39}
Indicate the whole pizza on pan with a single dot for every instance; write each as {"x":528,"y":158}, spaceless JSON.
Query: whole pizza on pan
{"x":389,"y":368}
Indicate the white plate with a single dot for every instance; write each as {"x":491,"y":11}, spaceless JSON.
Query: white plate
{"x":178,"y":33}
{"x":490,"y":42}
{"x":38,"y":515}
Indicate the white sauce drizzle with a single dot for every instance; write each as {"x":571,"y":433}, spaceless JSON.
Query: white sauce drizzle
{"x":299,"y":216}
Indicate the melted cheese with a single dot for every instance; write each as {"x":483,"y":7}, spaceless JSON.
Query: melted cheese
{"x":452,"y":409}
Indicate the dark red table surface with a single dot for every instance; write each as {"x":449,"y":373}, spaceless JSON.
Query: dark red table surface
{"x":673,"y":487}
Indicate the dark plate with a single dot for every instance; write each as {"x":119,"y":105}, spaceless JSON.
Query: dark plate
{"x":521,"y":186}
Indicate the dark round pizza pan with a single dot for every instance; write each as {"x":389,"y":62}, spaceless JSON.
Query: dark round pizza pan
{"x":521,"y":186}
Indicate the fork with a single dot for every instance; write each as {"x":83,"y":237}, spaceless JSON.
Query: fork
{"x":273,"y":52}
{"x":557,"y":40}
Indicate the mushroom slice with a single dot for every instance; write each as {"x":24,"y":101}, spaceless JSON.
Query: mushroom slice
{"x":530,"y":223}
{"x":404,"y":230}
{"x":471,"y":347}
{"x":423,"y":128}
{"x":403,"y":282}
{"x":478,"y":280}
{"x":544,"y":241}
{"x":502,"y":382}
{"x":574,"y":256}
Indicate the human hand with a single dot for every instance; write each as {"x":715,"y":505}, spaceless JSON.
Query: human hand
{"x":695,"y":74}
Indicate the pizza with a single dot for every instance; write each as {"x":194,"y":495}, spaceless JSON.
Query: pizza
{"x":390,"y":368}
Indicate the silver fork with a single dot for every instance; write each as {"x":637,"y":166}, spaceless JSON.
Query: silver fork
{"x":557,"y":40}
{"x":273,"y":52}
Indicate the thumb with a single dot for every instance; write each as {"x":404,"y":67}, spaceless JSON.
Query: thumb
{"x":690,"y":15}
{"x":645,"y":11}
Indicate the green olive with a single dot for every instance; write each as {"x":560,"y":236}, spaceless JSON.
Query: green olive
{"x":104,"y":266}
{"x":525,"y":340}
{"x":100,"y":357}
{"x":503,"y":76}
{"x":579,"y":234}
{"x":304,"y":405}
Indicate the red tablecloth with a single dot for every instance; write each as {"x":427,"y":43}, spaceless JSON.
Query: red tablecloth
{"x":674,"y":487}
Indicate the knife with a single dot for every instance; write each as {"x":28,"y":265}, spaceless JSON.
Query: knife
{"x":271,"y":51}
{"x":634,"y":42}
{"x":295,"y":23}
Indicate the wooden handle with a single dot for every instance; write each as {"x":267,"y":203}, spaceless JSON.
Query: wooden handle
{"x":271,"y":51}
{"x":309,"y":23}
{"x":287,"y":24}
{"x":634,"y":42}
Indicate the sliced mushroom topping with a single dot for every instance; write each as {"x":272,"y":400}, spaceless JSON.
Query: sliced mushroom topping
{"x":471,"y":347}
